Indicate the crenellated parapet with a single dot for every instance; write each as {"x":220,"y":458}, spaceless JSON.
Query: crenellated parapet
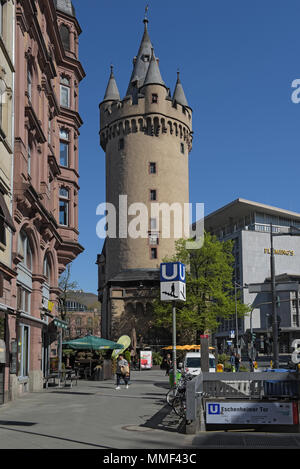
{"x":121,"y":118}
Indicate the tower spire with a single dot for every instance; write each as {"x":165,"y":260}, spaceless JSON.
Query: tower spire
{"x":179,"y":95}
{"x":112,"y":92}
{"x":153,"y":74}
{"x":141,"y":61}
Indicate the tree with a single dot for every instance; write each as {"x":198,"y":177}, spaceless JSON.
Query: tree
{"x":66,"y":285}
{"x":209,"y":289}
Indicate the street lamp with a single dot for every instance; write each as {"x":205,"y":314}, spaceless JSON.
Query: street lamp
{"x":273,"y":289}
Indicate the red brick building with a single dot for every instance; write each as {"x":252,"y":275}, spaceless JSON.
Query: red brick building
{"x":45,"y":183}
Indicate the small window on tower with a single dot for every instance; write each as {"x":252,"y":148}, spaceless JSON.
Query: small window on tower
{"x":152,"y":194}
{"x":152,"y":168}
{"x":182,"y":148}
{"x":153,"y":253}
{"x":121,"y":144}
{"x":154,"y":98}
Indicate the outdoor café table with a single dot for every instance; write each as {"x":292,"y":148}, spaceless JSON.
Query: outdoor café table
{"x":66,"y":375}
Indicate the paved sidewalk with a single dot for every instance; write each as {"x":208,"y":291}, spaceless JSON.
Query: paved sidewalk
{"x":93,"y":415}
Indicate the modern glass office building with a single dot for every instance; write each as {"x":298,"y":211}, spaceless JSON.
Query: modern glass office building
{"x":249,"y":224}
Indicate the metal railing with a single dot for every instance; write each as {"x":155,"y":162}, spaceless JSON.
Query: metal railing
{"x":242,"y":385}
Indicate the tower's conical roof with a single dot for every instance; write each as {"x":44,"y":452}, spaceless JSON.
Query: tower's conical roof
{"x":153,"y":74}
{"x":112,"y":92}
{"x":141,"y":62}
{"x":179,"y":95}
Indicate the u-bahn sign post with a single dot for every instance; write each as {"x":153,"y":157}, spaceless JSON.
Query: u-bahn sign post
{"x":173,"y":288}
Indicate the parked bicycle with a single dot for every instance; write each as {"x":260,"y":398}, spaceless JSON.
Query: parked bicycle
{"x":176,"y":397}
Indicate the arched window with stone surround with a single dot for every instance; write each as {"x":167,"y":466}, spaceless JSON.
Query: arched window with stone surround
{"x":65,"y":36}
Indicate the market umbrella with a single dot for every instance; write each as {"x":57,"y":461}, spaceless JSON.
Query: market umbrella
{"x":185,"y":347}
{"x":92,"y":342}
{"x":178,"y":347}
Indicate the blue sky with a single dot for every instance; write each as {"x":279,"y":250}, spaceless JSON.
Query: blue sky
{"x":237,"y":61}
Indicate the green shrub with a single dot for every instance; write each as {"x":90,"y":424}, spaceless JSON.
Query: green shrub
{"x":157,"y":358}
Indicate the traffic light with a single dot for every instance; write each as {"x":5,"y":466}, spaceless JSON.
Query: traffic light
{"x":253,"y":337}
{"x":278,"y":301}
{"x":278,"y":332}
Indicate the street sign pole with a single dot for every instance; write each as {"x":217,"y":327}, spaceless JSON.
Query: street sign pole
{"x":274,"y":311}
{"x":173,"y":288}
{"x":174,"y":342}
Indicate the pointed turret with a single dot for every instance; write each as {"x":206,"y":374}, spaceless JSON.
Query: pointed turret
{"x":112,"y":92}
{"x":141,"y":62}
{"x":179,"y":96}
{"x":153,"y":76}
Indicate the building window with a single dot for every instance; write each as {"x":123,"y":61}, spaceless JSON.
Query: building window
{"x":89,"y":322}
{"x":153,"y":253}
{"x":2,"y":92}
{"x":29,"y":81}
{"x":46,"y":269}
{"x":65,"y":36}
{"x":121,"y":144}
{"x":2,"y":229}
{"x":29,"y":160}
{"x":152,"y":168}
{"x":23,"y":299}
{"x":1,"y":17}
{"x":154,"y":98}
{"x":153,"y":239}
{"x":25,"y":250}
{"x":64,"y":147}
{"x":182,"y":148}
{"x":63,"y":206}
{"x":152,"y":194}
{"x":65,"y":92}
{"x":23,"y":351}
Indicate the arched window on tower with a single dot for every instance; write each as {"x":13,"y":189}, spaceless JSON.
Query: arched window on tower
{"x":65,"y":36}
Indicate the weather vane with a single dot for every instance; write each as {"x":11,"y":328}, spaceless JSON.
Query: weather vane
{"x":146,"y":11}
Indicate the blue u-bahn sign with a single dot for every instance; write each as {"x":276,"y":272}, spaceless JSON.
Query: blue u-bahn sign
{"x":172,"y":281}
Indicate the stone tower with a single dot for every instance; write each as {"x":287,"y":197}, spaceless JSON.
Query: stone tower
{"x":146,"y":137}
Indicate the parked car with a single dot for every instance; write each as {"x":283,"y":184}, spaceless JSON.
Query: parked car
{"x":192,"y":363}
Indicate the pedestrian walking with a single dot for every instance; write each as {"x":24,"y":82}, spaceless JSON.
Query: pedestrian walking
{"x":168,"y":364}
{"x":232,"y":361}
{"x":251,"y":364}
{"x":237,"y":362}
{"x":122,"y":371}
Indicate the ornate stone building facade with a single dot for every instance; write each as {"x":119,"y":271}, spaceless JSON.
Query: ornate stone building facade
{"x":146,"y":137}
{"x":45,"y":182}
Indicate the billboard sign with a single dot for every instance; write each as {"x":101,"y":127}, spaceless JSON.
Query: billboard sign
{"x":146,"y":359}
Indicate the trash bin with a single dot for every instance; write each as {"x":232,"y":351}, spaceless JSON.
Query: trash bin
{"x":171,"y":377}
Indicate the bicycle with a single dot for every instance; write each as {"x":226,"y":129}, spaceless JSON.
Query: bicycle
{"x":176,"y":396}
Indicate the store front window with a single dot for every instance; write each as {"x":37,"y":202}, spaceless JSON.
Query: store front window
{"x":23,"y":351}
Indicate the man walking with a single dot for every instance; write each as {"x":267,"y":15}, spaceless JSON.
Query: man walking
{"x":122,"y":371}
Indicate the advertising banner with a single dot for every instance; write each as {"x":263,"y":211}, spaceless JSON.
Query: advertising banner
{"x":146,"y":359}
{"x":259,"y":413}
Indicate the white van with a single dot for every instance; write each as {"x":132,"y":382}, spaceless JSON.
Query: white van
{"x":192,"y":363}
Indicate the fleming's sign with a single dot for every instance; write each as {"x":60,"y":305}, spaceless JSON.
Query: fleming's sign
{"x":281,"y":252}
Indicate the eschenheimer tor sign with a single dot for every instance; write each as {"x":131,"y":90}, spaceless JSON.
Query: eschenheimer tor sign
{"x":274,"y":413}
{"x":281,"y":252}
